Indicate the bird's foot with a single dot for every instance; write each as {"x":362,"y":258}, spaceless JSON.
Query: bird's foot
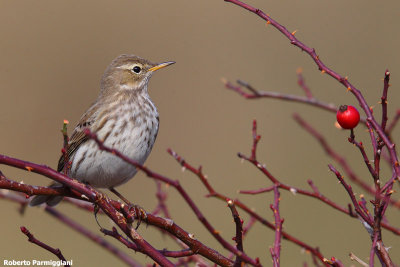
{"x":134,"y":211}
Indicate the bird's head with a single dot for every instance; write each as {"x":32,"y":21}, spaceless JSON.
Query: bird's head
{"x":129,"y":72}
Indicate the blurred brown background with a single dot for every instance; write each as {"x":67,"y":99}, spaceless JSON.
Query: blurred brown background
{"x":53,"y":54}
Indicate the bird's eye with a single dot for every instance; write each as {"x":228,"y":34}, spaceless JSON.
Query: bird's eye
{"x":136,"y":69}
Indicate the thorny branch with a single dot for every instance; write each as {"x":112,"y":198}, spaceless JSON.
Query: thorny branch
{"x":112,"y":209}
{"x":212,"y":193}
{"x":382,"y":190}
{"x":324,"y":69}
{"x":276,"y":250}
{"x":239,"y":231}
{"x":378,"y":133}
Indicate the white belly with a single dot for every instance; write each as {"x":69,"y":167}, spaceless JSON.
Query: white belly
{"x":102,"y":169}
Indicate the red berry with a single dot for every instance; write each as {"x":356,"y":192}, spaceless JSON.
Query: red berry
{"x":348,"y":117}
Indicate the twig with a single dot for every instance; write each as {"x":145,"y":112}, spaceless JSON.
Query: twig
{"x":372,"y":252}
{"x":360,"y":146}
{"x":161,"y":206}
{"x":239,"y":231}
{"x":255,"y":94}
{"x":64,"y":150}
{"x":379,"y":144}
{"x":302,"y":84}
{"x":54,"y":251}
{"x":384,"y":99}
{"x":363,"y":215}
{"x":276,"y":250}
{"x":95,"y":238}
{"x":353,"y":257}
{"x":394,"y":122}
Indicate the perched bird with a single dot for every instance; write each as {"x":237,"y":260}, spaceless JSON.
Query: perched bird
{"x":123,"y":117}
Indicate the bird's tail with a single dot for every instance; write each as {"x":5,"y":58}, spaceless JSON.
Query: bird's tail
{"x":50,"y":200}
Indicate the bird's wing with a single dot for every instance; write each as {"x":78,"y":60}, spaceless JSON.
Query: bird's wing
{"x":78,"y":136}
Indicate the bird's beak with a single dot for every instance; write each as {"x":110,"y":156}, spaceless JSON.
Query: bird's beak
{"x":161,"y":65}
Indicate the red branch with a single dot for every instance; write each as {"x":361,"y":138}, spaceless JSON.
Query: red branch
{"x":239,"y":231}
{"x":370,"y":224}
{"x":161,"y":196}
{"x":64,"y":150}
{"x":35,"y":241}
{"x":367,"y":162}
{"x":394,"y":122}
{"x":95,"y":238}
{"x":255,"y":94}
{"x":384,"y":99}
{"x":366,"y":217}
{"x":379,"y":144}
{"x":303,"y":85}
{"x":276,"y":250}
{"x":324,"y":69}
{"x":112,"y":209}
{"x":212,"y":193}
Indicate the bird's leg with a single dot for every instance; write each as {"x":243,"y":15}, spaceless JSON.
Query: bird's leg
{"x":112,"y":189}
{"x":138,"y":211}
{"x":96,"y":209}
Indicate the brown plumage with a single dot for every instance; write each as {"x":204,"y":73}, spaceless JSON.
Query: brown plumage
{"x":123,"y":117}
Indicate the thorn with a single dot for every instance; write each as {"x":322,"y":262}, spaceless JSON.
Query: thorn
{"x":28,"y":168}
{"x":293,"y":191}
{"x":268,"y":22}
{"x":66,"y":122}
{"x":348,"y":89}
{"x":293,"y":33}
{"x":323,"y":71}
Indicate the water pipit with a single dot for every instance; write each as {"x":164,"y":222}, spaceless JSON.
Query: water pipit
{"x":123,"y":117}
